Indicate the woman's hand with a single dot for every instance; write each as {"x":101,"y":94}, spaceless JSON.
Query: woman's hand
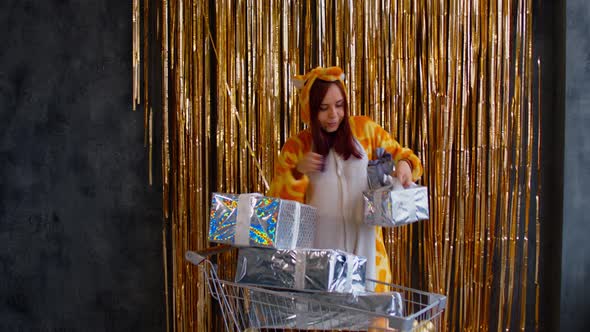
{"x":311,"y":162}
{"x":403,"y":172}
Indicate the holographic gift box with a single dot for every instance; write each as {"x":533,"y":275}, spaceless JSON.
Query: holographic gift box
{"x":324,"y":270}
{"x":307,"y":311}
{"x":394,"y":205}
{"x":255,"y":220}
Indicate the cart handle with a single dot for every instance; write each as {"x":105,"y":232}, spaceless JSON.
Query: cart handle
{"x":193,"y":257}
{"x":198,"y":256}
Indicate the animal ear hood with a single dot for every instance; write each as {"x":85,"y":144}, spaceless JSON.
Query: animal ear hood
{"x":304,"y":83}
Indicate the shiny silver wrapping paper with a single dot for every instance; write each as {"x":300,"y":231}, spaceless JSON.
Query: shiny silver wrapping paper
{"x":260,"y":221}
{"x":302,"y":269}
{"x":392,"y":205}
{"x":324,"y":311}
{"x":378,"y":169}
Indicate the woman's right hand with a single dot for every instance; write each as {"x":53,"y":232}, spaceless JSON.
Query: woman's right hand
{"x":311,"y":162}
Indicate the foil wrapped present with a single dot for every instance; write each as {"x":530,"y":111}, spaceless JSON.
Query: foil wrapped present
{"x":354,"y":311}
{"x":302,"y":269}
{"x":254,"y":220}
{"x":379,"y":169}
{"x":394,"y":205}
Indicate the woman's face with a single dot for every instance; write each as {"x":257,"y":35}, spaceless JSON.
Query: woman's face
{"x":331,"y":109}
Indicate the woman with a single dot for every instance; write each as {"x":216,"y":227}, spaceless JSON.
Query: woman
{"x":325,"y":166}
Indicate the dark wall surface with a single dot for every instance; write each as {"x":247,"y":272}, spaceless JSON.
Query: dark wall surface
{"x":549,"y":48}
{"x":80,"y":227}
{"x":575,"y":268}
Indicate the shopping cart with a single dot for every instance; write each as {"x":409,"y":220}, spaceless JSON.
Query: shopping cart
{"x":252,"y":308}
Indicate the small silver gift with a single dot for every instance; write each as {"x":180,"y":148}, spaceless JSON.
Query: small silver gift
{"x":245,"y":220}
{"x":322,"y":311}
{"x":394,"y":205}
{"x":378,"y":169}
{"x":302,"y":269}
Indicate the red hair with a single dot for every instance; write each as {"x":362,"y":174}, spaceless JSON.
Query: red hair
{"x":341,"y":140}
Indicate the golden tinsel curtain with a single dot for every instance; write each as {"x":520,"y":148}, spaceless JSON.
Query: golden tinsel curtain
{"x":453,"y":80}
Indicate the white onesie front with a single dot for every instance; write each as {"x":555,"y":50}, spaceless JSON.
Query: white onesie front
{"x":337,"y":194}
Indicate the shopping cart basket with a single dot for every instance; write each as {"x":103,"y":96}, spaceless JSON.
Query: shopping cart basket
{"x":251,"y":308}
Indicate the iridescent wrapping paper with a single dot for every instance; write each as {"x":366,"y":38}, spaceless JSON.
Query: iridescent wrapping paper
{"x":265,"y":222}
{"x":452,"y":80}
{"x":391,"y":207}
{"x":334,"y":311}
{"x":302,"y":269}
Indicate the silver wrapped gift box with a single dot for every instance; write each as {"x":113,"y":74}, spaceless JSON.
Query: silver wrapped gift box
{"x":259,"y":221}
{"x":380,"y":168}
{"x":394,"y":205}
{"x":306,"y":311}
{"x":302,"y":269}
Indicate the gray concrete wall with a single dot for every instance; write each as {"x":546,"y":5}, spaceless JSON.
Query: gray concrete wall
{"x":80,"y":229}
{"x":575,"y":267}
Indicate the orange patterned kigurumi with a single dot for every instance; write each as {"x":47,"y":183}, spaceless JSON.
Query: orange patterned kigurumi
{"x":371,"y":136}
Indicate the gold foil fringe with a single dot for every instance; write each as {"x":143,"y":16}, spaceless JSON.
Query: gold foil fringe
{"x":450,"y":79}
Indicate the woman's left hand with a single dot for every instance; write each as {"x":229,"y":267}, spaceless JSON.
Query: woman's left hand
{"x":403,"y":172}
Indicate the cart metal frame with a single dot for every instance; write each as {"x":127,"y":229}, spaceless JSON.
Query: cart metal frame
{"x":252,"y":308}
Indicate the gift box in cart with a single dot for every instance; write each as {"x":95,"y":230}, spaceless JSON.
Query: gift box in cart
{"x":302,"y":269}
{"x":254,"y":220}
{"x":246,"y":307}
{"x":302,"y":312}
